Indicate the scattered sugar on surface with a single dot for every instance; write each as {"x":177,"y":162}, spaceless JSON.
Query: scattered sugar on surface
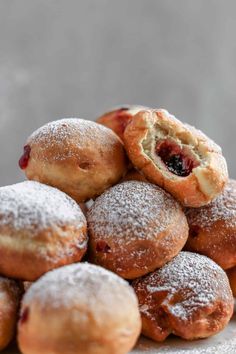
{"x":201,"y":281}
{"x":84,"y":284}
{"x":62,"y":133}
{"x":222,"y":208}
{"x":33,"y":206}
{"x":132,"y":210}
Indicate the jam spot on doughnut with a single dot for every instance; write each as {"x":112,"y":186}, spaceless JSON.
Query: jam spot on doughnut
{"x":25,"y":316}
{"x":178,"y":161}
{"x":123,"y":119}
{"x":194,"y":231}
{"x":102,"y":246}
{"x":23,"y":162}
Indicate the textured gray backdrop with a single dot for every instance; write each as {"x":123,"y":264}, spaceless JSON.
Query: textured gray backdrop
{"x":79,"y":58}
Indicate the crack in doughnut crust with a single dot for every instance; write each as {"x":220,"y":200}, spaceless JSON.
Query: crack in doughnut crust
{"x":10,"y":295}
{"x":213,"y":228}
{"x":176,"y":156}
{"x":135,"y":227}
{"x":41,"y":228}
{"x":98,"y":313}
{"x":118,"y":118}
{"x":190,"y":297}
{"x":79,"y":157}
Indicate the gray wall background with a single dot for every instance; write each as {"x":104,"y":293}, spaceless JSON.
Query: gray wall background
{"x":79,"y":58}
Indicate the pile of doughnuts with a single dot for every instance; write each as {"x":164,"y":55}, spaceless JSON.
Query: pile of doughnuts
{"x":125,"y":226}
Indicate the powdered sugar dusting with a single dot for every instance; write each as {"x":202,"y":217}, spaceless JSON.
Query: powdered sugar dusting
{"x":80,"y":284}
{"x":196,"y":280}
{"x":222,"y":208}
{"x":132,"y":210}
{"x":34,"y":206}
{"x":59,"y":135}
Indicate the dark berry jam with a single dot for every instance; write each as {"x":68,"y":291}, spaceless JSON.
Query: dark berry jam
{"x":25,"y":316}
{"x":178,"y":161}
{"x":23,"y":162}
{"x":102,"y":246}
{"x":194,"y":231}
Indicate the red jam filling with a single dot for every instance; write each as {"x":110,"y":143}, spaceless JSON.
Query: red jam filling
{"x":102,"y":246}
{"x":194,"y":231}
{"x":23,"y":162}
{"x":25,"y":316}
{"x":177,"y":159}
{"x":123,"y":118}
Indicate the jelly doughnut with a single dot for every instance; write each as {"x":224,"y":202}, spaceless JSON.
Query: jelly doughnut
{"x":212,"y":228}
{"x":134,"y":228}
{"x":79,"y":308}
{"x":176,"y":156}
{"x":118,"y":118}
{"x":41,"y":228}
{"x":79,"y":157}
{"x":190,"y":297}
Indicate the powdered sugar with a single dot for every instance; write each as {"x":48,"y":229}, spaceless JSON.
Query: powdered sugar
{"x":83,"y":285}
{"x":34,"y":206}
{"x":222,"y":208}
{"x":196,"y":280}
{"x":59,"y":135}
{"x":132,"y":210}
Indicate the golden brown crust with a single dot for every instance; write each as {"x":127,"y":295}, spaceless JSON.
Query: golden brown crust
{"x":199,"y":187}
{"x":10,"y":294}
{"x":232,"y":279}
{"x":118,"y":118}
{"x":41,"y":228}
{"x":213,"y":228}
{"x":79,"y":157}
{"x":27,"y":259}
{"x":134,"y":228}
{"x":98,"y":313}
{"x":189,"y":297}
{"x":134,"y":175}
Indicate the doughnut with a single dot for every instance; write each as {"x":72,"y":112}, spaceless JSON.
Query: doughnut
{"x":10,"y":294}
{"x":79,"y":308}
{"x":41,"y":228}
{"x":232,"y":279}
{"x":176,"y":156}
{"x":212,"y":228}
{"x":134,"y":228}
{"x":79,"y":157}
{"x":118,"y":118}
{"x":190,"y":297}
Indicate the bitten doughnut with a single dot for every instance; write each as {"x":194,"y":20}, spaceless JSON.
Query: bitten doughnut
{"x":118,"y":118}
{"x":232,"y":279}
{"x":80,"y":308}
{"x":134,"y":228}
{"x":79,"y":157}
{"x":213,"y":228}
{"x":189,"y":297}
{"x":176,"y":156}
{"x":10,"y":294}
{"x":41,"y":228}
